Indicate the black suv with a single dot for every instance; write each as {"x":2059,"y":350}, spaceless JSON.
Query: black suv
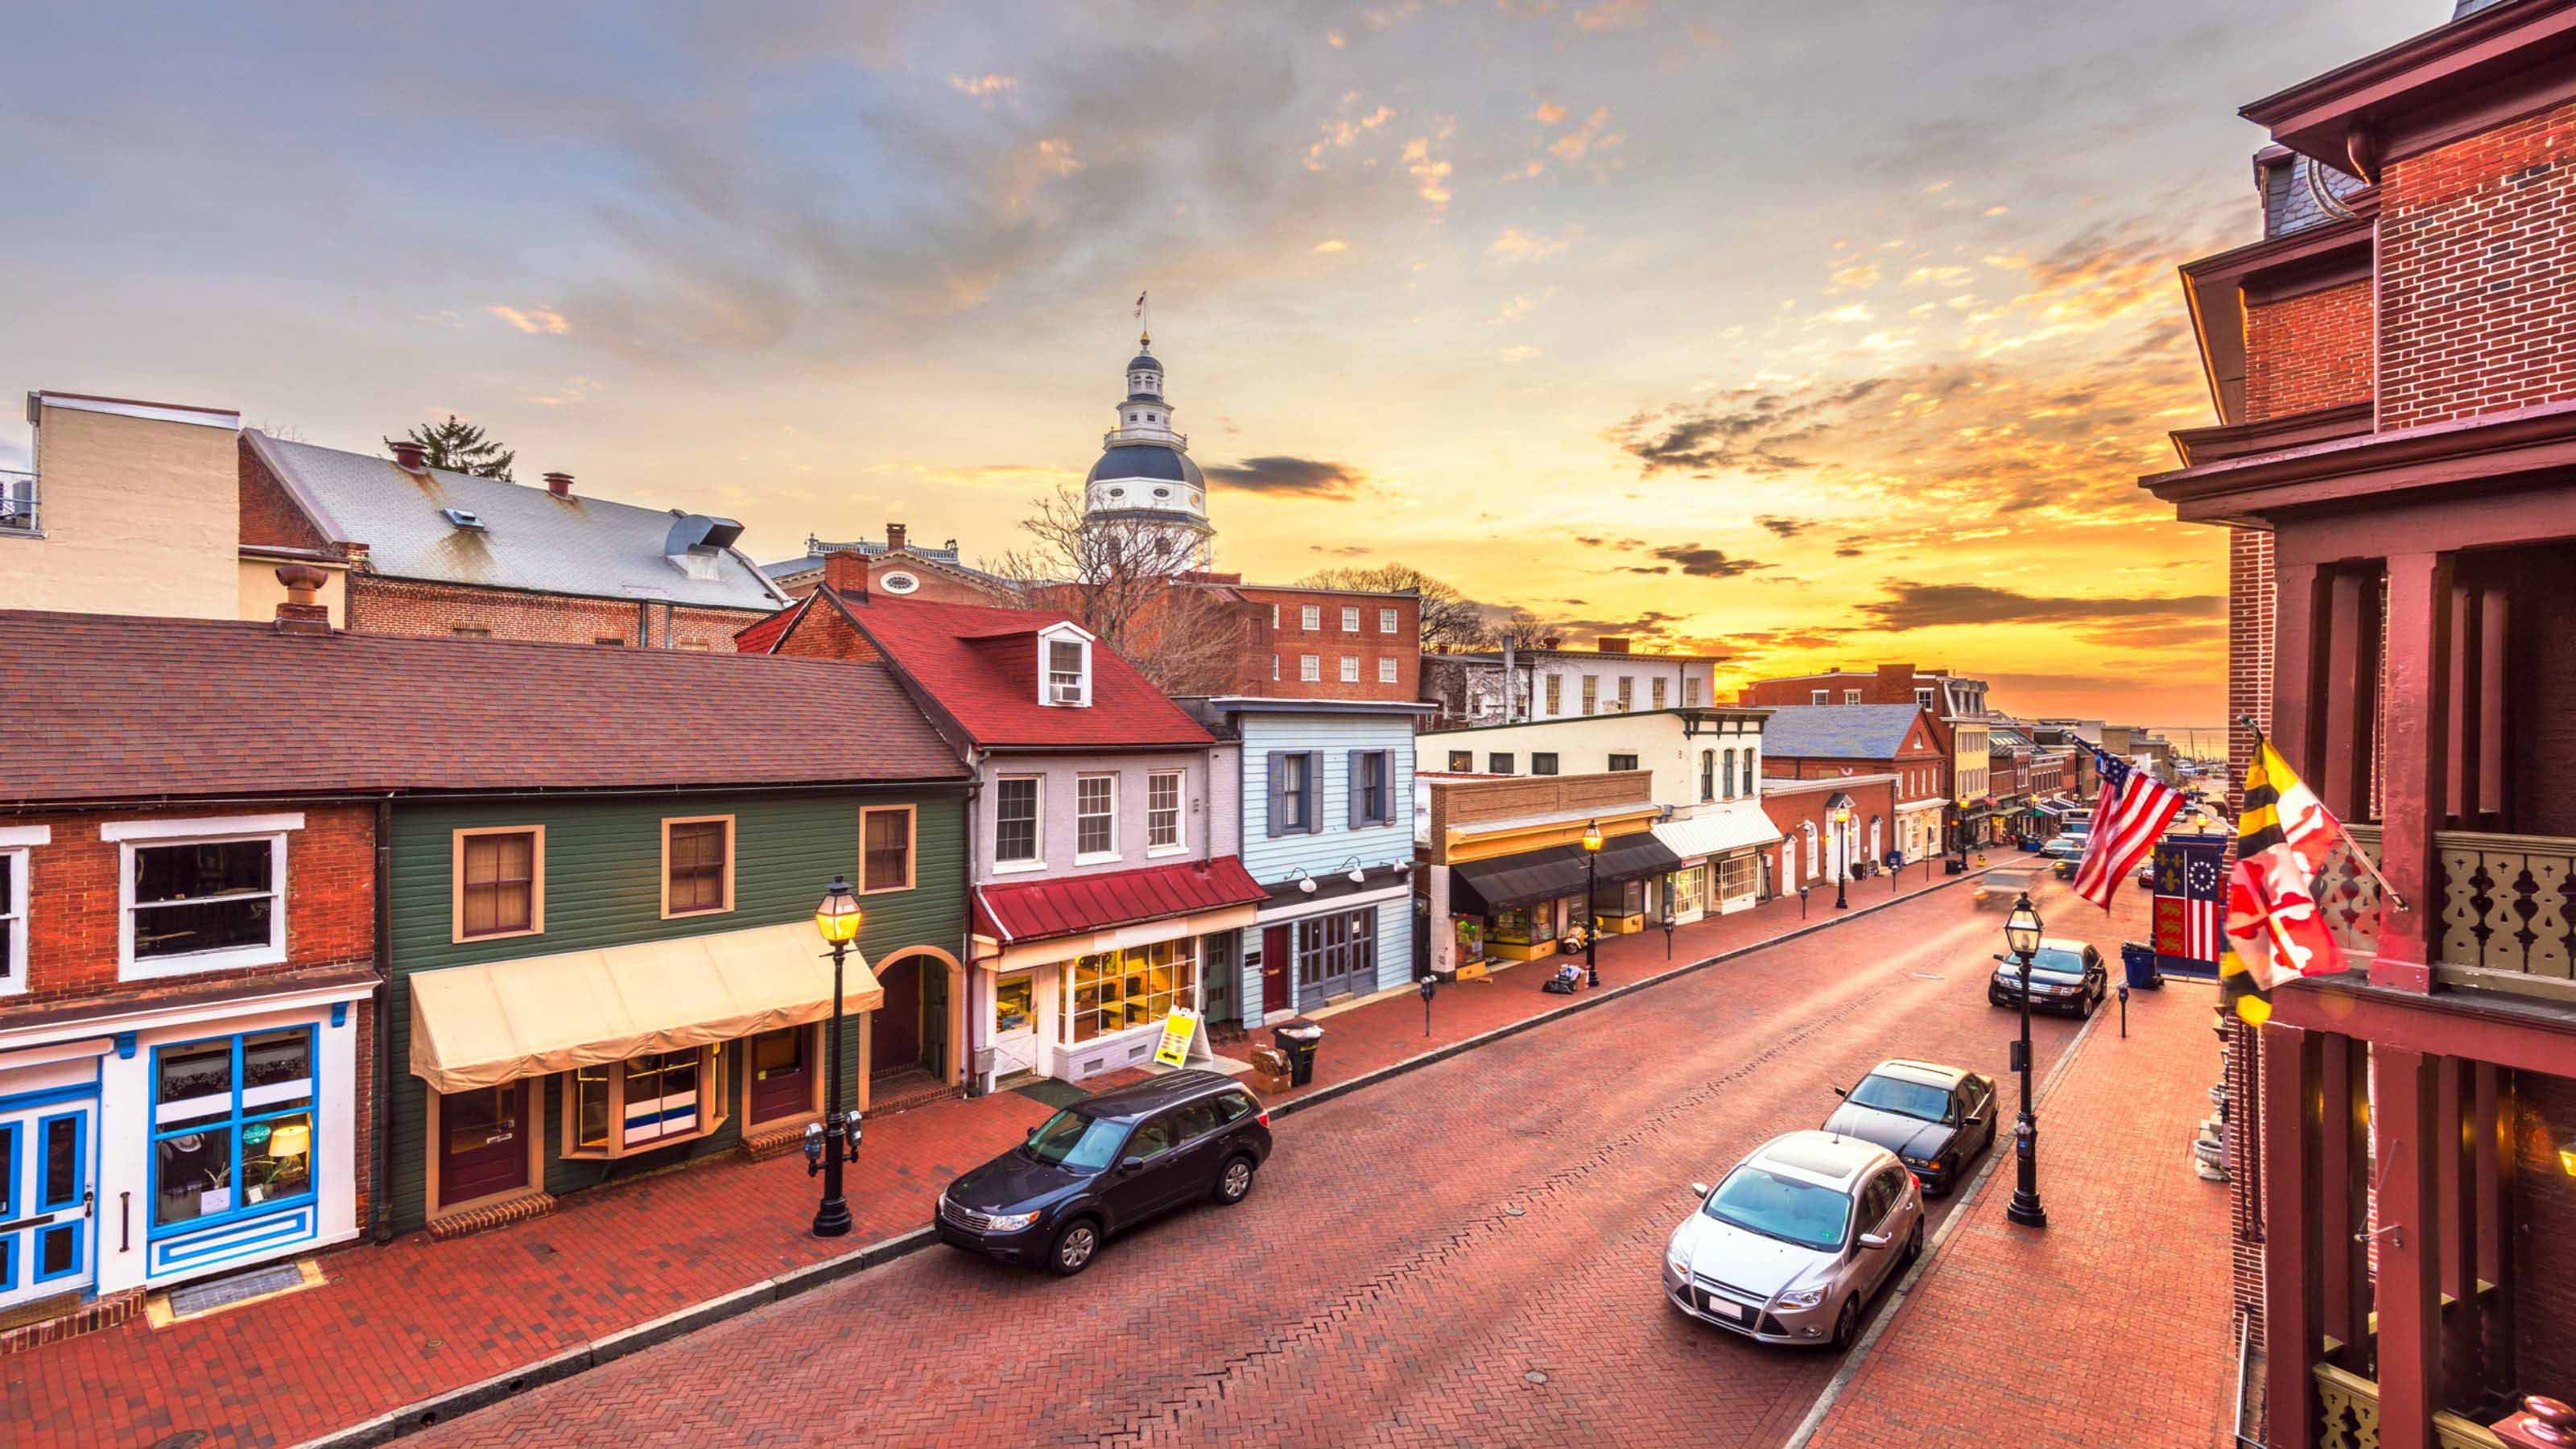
{"x":1105,"y":1164}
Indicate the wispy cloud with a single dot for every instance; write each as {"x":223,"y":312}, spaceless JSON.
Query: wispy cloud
{"x":545,"y":321}
{"x":1287,"y":476}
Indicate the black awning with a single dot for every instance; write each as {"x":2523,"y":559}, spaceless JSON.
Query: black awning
{"x":1558,"y":870}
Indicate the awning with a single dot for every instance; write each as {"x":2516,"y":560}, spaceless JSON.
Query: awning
{"x":1089,"y":904}
{"x":1736,"y":825}
{"x":480,"y":1026}
{"x":1558,"y":870}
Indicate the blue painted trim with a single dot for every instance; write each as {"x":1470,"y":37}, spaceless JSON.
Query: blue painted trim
{"x":258,"y":1238}
{"x":8,"y":1262}
{"x":125,"y":1046}
{"x":78,"y":1227}
{"x":339,"y":1013}
{"x":80,"y":1158}
{"x":79,"y":1091}
{"x":239,"y":1117}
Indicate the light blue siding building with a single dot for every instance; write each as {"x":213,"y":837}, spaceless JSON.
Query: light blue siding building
{"x":1328,"y":831}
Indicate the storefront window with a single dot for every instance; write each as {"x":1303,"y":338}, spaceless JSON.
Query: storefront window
{"x":592,"y":1108}
{"x":1738,"y":876}
{"x":1525,"y":925}
{"x":1014,"y":1003}
{"x":232,"y":1125}
{"x":1115,"y":990}
{"x":612,"y":1108}
{"x":661,"y":1096}
{"x":1688,"y":886}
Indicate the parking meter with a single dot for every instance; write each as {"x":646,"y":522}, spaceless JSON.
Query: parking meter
{"x":1427,"y":985}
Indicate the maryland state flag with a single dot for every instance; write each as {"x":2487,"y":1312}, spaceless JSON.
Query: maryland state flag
{"x":2273,"y":930}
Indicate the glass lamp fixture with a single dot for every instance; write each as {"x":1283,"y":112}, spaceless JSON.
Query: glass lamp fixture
{"x":839,"y":916}
{"x":2022,"y":928}
{"x":1592,"y":837}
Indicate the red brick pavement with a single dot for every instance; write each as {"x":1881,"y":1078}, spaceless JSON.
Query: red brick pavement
{"x":2110,"y":1327}
{"x":1467,"y":1255}
{"x":418,"y":1318}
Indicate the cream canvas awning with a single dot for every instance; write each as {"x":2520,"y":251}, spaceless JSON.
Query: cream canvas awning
{"x":1735,"y":825}
{"x":480,"y":1026}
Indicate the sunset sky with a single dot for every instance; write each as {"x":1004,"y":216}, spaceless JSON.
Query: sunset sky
{"x":1801,"y":333}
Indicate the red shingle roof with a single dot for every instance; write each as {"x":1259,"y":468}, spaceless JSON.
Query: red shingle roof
{"x":980,"y":665}
{"x":96,"y":707}
{"x":1079,"y":905}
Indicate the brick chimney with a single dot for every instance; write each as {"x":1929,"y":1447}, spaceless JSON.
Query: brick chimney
{"x":1612,"y":644}
{"x":559,"y":484}
{"x":845,"y":572}
{"x":409,"y":457}
{"x":302,"y":612}
{"x":894,"y":537}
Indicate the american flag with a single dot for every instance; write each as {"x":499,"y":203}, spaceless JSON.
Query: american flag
{"x":2134,"y":812}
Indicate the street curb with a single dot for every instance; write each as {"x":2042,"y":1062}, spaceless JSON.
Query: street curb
{"x":1885,"y":1317}
{"x":424,"y":1414}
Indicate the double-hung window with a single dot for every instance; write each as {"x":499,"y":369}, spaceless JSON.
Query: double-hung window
{"x":14,"y":841}
{"x":232,"y":1126}
{"x":1310,"y":667}
{"x":697,"y":866}
{"x":1310,"y":617}
{"x":199,"y":896}
{"x":1015,"y":822}
{"x":1820,"y":696}
{"x":1163,"y":811}
{"x":1350,"y":669}
{"x":1851,"y":696}
{"x":1690,"y":692}
{"x":1372,"y":799}
{"x":1068,"y":679}
{"x":1656,"y":686}
{"x":1350,"y":618}
{"x":1386,"y":621}
{"x":1708,"y":774}
{"x":1293,"y":792}
{"x":885,"y":848}
{"x":1591,"y":694}
{"x":1386,"y":670}
{"x":1095,"y":817}
{"x":500,"y":877}
{"x":1627,"y":691}
{"x":1556,"y":694}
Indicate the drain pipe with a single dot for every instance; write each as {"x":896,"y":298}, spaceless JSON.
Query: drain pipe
{"x":380,"y":1119}
{"x":966,"y":942}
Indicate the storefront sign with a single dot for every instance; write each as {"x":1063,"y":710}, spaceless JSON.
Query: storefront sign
{"x":1179,"y":1030}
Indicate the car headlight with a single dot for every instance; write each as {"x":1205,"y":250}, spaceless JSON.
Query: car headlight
{"x":1802,"y":1297}
{"x":1677,"y":1257}
{"x":1010,"y":1222}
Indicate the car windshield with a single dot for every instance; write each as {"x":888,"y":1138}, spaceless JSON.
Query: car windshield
{"x":1071,"y":1139}
{"x":2054,"y":959}
{"x":1904,"y":1098}
{"x":1781,"y":1207}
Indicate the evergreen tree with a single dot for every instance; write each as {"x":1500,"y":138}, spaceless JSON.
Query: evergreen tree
{"x":460,"y":447}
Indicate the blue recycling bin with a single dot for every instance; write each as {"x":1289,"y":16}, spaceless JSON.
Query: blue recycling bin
{"x":2139,"y":960}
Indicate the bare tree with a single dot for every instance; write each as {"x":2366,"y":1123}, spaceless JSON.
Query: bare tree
{"x":1520,"y":629}
{"x":1127,"y":581}
{"x":1449,"y":619}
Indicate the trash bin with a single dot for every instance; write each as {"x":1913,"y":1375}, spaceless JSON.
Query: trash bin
{"x":1298,"y":1039}
{"x":2139,"y":960}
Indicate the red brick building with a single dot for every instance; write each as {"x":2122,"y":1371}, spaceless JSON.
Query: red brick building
{"x":1824,"y":826}
{"x":2396,"y":436}
{"x":1304,"y":643}
{"x":899,"y":567}
{"x":1899,"y":739}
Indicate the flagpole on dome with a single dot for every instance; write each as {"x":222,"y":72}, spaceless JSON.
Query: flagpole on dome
{"x":2389,"y":892}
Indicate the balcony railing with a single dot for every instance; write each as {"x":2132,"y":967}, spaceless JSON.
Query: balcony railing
{"x":17,"y":501}
{"x":2348,"y":1416}
{"x":2507,"y":903}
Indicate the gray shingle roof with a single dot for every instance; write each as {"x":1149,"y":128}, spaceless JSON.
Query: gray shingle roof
{"x":1838,"y":731}
{"x":530,"y":539}
{"x":2472,"y":7}
{"x":2290,"y":200}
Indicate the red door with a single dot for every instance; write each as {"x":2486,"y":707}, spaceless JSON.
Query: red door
{"x":1275,"y":951}
{"x":481,"y":1149}
{"x":894,"y":1034}
{"x":782,"y":1073}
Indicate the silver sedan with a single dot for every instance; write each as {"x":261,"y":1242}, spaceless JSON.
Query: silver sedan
{"x":1790,"y":1246}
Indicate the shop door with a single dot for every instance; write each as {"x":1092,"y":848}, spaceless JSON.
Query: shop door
{"x":1336,"y":956}
{"x":480,"y":1147}
{"x":1015,"y":1025}
{"x":45,"y":1202}
{"x":894,"y":1029}
{"x":1277,"y":945}
{"x":783,"y":1073}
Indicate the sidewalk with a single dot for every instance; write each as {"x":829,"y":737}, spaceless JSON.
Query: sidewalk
{"x":2110,"y":1326}
{"x":395,"y":1325}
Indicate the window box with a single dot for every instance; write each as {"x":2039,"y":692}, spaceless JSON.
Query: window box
{"x":697,"y":865}
{"x":644,"y":1104}
{"x":499,"y":875}
{"x":200,"y":895}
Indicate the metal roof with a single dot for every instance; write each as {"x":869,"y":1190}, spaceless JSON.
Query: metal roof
{"x":529,"y":538}
{"x":1146,"y":460}
{"x":1839,"y":731}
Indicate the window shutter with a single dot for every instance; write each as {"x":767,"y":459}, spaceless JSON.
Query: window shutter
{"x":1271,"y":823}
{"x":1314,"y":792}
{"x":1354,"y":816}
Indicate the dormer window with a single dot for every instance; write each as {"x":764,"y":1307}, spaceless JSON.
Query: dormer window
{"x":1064,"y":657}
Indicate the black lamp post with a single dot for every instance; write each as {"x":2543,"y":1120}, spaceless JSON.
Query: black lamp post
{"x":1842,"y":855}
{"x":834,"y":1140}
{"x":1591,"y":889}
{"x":2021,"y":933}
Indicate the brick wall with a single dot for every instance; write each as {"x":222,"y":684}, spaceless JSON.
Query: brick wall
{"x":824,"y":634}
{"x":1330,"y":643}
{"x":2307,"y":352}
{"x":411,"y":606}
{"x":1793,"y":811}
{"x":2477,"y":273}
{"x":74,"y":894}
{"x":268,"y":514}
{"x":2544,"y":1235}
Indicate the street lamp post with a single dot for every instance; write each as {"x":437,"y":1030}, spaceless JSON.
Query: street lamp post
{"x":2021,"y":934}
{"x":1591,"y":888}
{"x":834,"y":1140}
{"x":1842,"y":854}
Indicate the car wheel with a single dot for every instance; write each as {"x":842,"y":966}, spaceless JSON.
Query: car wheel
{"x":1913,"y":1246}
{"x":1076,"y":1244}
{"x":1847,"y":1323}
{"x":1235,"y":1183}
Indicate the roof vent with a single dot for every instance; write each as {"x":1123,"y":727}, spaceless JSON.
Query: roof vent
{"x":463,"y":518}
{"x":696,"y":543}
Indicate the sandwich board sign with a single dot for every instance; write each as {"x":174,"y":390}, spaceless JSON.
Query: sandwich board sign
{"x":1180,"y":1033}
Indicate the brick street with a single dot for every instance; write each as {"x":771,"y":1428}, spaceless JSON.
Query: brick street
{"x":1508,"y":1293}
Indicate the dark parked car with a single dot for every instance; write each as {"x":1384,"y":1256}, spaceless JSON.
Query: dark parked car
{"x":1106,"y":1164}
{"x":2062,"y":854}
{"x":2064,"y":976}
{"x":1936,"y":1119}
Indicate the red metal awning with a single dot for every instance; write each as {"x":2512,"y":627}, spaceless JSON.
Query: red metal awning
{"x":1080,"y":905}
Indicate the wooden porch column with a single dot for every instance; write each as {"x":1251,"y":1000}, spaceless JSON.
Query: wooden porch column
{"x":2298,"y":603}
{"x":2417,"y":762}
{"x":2409,"y":1143}
{"x":2467,"y":705}
{"x":2290,"y":1106}
{"x":2342,"y":770}
{"x":2343,"y":1187}
{"x":2496,"y":1108}
{"x":2454,"y":1162}
{"x":2493,"y":619}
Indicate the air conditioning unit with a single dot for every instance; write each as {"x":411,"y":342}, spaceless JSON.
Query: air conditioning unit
{"x":1061,"y":693}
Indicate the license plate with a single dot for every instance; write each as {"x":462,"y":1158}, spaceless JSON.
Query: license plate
{"x":1723,"y":1308}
